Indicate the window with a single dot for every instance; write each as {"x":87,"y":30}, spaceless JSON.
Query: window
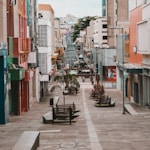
{"x":43,"y":62}
{"x":104,"y":37}
{"x":104,"y":25}
{"x":42,"y":30}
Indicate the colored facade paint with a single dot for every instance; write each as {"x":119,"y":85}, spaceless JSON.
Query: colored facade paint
{"x":18,"y":49}
{"x":24,"y":96}
{"x":135,"y":17}
{"x":103,"y":8}
{"x":10,"y":19}
{"x":28,"y":8}
{"x":45,"y":7}
{"x":4,"y":106}
{"x":3,"y":90}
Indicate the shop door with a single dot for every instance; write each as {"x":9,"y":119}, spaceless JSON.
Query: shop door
{"x":136,"y":93}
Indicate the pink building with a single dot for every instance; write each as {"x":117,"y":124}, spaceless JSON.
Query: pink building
{"x":135,"y":17}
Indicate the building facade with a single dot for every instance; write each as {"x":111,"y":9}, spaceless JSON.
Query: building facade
{"x":143,"y":47}
{"x":46,"y":44}
{"x":134,"y":78}
{"x":100,"y":32}
{"x":32,"y":26}
{"x":117,"y":15}
{"x":18,"y":50}
{"x":4,"y":84}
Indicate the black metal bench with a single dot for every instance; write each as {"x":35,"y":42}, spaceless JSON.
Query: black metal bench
{"x":63,"y":113}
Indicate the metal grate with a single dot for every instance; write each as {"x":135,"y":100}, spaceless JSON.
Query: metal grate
{"x":43,"y":30}
{"x":43,"y":62}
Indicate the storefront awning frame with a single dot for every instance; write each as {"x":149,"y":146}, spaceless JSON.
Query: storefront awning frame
{"x":130,"y":68}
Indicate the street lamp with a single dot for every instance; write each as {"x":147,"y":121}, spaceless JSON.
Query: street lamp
{"x":99,"y":69}
{"x":119,"y":28}
{"x":96,"y":62}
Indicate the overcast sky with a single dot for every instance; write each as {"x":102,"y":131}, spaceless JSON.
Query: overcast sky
{"x":77,"y":8}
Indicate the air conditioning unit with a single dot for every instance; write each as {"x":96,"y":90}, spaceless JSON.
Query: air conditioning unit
{"x":12,"y":2}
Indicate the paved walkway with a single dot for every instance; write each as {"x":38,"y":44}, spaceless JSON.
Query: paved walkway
{"x":95,"y":143}
{"x":95,"y":129}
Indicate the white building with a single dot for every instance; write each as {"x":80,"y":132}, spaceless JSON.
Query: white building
{"x":89,"y":36}
{"x":46,"y":44}
{"x":45,"y":39}
{"x":68,"y":21}
{"x":100,"y":32}
{"x":143,"y":47}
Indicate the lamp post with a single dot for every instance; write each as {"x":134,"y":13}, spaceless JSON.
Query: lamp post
{"x":99,"y":67}
{"x":96,"y":62}
{"x":119,"y":28}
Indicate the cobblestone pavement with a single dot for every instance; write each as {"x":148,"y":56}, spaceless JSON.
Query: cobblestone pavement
{"x":95,"y":128}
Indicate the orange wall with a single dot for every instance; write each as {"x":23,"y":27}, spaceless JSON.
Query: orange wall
{"x":45,"y":7}
{"x":135,"y":17}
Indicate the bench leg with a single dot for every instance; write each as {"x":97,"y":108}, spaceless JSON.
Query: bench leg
{"x":70,"y":114}
{"x":53,"y":115}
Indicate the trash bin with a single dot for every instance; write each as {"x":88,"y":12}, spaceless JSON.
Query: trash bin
{"x":51,"y":101}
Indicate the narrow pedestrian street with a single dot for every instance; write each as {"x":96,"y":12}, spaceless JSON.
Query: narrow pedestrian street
{"x":75,"y":75}
{"x":95,"y":129}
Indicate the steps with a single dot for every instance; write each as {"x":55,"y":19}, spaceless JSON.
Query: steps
{"x":130,"y":109}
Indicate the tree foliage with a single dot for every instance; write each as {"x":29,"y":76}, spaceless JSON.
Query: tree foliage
{"x":82,"y":24}
{"x":67,"y":79}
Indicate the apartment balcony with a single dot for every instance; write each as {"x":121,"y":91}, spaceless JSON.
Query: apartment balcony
{"x":26,"y":45}
{"x":17,"y":47}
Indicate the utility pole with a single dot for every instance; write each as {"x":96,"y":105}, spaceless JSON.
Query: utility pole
{"x":122,"y":42}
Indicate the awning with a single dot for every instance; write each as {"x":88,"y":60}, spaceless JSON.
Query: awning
{"x":17,"y":72}
{"x":131,"y":68}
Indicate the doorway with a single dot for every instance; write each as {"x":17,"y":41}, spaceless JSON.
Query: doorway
{"x":136,"y":93}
